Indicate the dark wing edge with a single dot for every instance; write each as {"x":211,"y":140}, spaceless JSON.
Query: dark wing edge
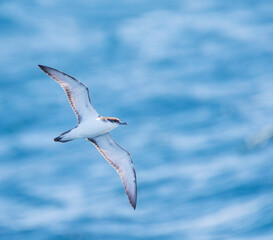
{"x":132,"y":198}
{"x":66,"y":89}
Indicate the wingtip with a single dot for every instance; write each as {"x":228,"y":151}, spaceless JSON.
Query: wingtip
{"x":133,"y":203}
{"x":42,"y":67}
{"x":46,"y":68}
{"x":131,"y":197}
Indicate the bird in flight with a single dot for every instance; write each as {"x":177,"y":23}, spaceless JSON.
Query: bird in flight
{"x":96,"y":129}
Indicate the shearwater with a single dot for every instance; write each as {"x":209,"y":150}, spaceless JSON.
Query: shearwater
{"x":95,"y":129}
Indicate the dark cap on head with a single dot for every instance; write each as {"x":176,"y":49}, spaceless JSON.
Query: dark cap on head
{"x":113,"y":120}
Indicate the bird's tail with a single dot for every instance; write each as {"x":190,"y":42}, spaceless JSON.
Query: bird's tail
{"x":64,"y":137}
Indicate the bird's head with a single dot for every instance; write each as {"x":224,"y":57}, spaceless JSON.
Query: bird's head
{"x":114,"y":120}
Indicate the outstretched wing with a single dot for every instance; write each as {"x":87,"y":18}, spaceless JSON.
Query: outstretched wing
{"x":121,"y":161}
{"x":77,"y":93}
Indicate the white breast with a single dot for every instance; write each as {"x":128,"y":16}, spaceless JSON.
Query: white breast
{"x":93,"y":128}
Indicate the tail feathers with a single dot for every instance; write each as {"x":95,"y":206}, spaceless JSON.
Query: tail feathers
{"x":59,"y":139}
{"x":63,"y":137}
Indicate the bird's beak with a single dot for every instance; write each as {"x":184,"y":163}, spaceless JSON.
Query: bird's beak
{"x":123,"y":123}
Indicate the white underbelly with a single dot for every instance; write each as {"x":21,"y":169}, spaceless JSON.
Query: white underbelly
{"x":91,"y":130}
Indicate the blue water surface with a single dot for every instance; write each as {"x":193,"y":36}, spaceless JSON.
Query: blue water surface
{"x":194,"y":81}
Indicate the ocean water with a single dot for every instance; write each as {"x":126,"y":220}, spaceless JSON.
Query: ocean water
{"x":194,"y":81}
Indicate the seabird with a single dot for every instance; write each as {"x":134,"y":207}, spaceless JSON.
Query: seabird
{"x":95,"y":129}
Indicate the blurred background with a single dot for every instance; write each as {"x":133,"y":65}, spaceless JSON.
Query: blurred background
{"x":194,"y":81}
